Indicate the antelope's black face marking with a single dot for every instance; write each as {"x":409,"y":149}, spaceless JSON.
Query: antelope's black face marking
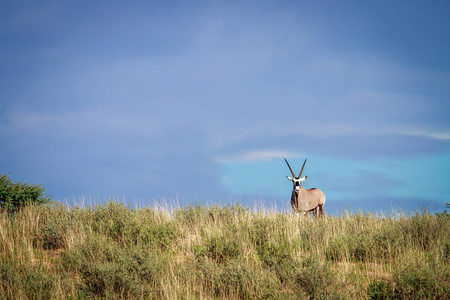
{"x":297,"y":185}
{"x":297,"y":182}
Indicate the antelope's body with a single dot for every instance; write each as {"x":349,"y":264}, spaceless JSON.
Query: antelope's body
{"x":308,"y":201}
{"x":305,"y":201}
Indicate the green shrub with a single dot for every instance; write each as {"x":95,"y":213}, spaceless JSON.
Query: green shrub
{"x":195,"y":213}
{"x":389,"y":241}
{"x":337,"y":249}
{"x":159,"y":236}
{"x":10,"y":280}
{"x":116,"y":221}
{"x":38,"y":283}
{"x":278,"y":258}
{"x":52,"y":236}
{"x":443,"y":250}
{"x":358,"y":248}
{"x":380,"y":290}
{"x":315,"y":278}
{"x":423,"y":228}
{"x":191,"y":214}
{"x":314,"y":233}
{"x":309,"y":277}
{"x":225,"y":214}
{"x":59,"y":226}
{"x":236,"y":280}
{"x":243,"y":281}
{"x":15,"y":195}
{"x":22,"y":281}
{"x":260,"y":233}
{"x":107,"y":269}
{"x":106,"y":279}
{"x":423,"y":280}
{"x":221,"y":248}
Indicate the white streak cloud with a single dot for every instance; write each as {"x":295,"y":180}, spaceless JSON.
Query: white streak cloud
{"x":442,"y":136}
{"x":260,"y":155}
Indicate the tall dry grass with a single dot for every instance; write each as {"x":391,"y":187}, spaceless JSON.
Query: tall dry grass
{"x":227,"y":252}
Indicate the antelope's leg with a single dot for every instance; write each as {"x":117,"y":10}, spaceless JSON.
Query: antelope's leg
{"x":321,"y":211}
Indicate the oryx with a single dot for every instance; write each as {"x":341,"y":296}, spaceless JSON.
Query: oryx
{"x":305,"y":201}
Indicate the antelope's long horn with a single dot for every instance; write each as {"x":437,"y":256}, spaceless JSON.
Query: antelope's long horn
{"x":300,"y":176}
{"x":293,"y":174}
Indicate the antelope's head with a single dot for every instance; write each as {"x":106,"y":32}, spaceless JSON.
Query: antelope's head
{"x":297,"y":180}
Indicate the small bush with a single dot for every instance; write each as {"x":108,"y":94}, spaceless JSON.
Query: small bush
{"x":159,"y":236}
{"x":278,"y":258}
{"x":59,"y":227}
{"x":15,"y":195}
{"x":220,"y":248}
{"x":315,"y":278}
{"x":10,"y":280}
{"x":315,"y":233}
{"x":236,"y":280}
{"x":358,"y":248}
{"x":39,"y":284}
{"x":116,"y":221}
{"x":52,"y":237}
{"x":337,"y":249}
{"x":107,"y":268}
{"x":423,"y":280}
{"x":21,"y":281}
{"x":260,"y":233}
{"x":191,"y":214}
{"x":388,"y":241}
{"x":380,"y":290}
{"x":225,"y":214}
{"x":106,"y":279}
{"x":423,"y":229}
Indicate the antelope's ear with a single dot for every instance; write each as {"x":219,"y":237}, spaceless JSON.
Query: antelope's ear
{"x":303,"y":178}
{"x":290,"y":178}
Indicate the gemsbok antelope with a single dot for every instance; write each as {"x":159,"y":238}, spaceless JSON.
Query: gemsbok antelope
{"x":305,"y":201}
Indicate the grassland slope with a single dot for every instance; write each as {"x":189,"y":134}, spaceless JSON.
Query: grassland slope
{"x":112,"y":251}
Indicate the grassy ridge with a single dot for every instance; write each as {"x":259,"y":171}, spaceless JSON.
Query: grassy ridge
{"x":112,"y":251}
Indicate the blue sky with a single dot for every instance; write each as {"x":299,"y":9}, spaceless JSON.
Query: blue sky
{"x":202,"y":100}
